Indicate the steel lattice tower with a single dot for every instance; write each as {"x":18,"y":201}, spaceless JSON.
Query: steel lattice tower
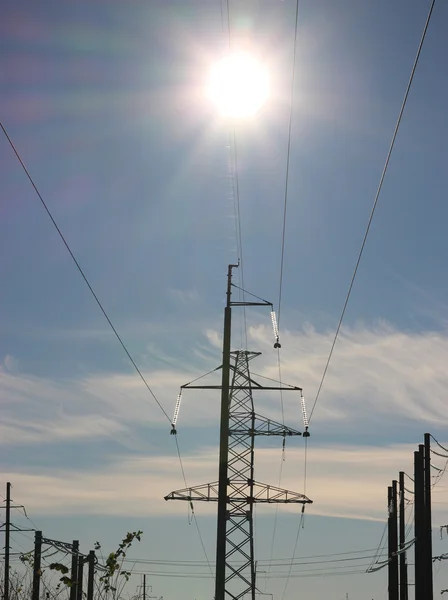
{"x":237,"y":491}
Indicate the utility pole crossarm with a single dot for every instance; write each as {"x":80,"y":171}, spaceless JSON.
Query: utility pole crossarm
{"x":262,"y":493}
{"x":253,"y":386}
{"x":263,"y":426}
{"x":272,"y":494}
{"x":250,"y":303}
{"x":199,"y":493}
{"x":64,"y":546}
{"x":251,"y":383}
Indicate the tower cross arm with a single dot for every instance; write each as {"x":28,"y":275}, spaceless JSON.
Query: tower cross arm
{"x":271,"y":494}
{"x":257,"y":493}
{"x":261,"y":426}
{"x":200,"y":493}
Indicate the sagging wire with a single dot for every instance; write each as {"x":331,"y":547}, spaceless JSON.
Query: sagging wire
{"x":374,"y":206}
{"x":82,"y":273}
{"x":438,"y":454}
{"x":274,"y":530}
{"x":384,"y":563}
{"x":439,"y":444}
{"x":302,"y":519}
{"x":191,"y":507}
{"x":380,"y":548}
{"x":233,"y":168}
{"x":301,"y":525}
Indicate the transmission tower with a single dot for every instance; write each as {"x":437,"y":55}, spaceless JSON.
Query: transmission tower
{"x":236,"y":492}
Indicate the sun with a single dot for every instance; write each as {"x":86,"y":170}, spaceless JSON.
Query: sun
{"x":238,"y":85}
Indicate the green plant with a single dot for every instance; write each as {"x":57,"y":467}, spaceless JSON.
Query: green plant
{"x":115,"y":576}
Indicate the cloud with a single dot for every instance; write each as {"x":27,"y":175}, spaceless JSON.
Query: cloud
{"x":37,"y":410}
{"x":378,"y":376}
{"x":344,"y":481}
{"x":376,"y":372}
{"x":185,"y":297}
{"x":10,"y":363}
{"x":214,"y":338}
{"x":62,"y":428}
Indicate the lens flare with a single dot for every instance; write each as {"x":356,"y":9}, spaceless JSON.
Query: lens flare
{"x":238,"y":85}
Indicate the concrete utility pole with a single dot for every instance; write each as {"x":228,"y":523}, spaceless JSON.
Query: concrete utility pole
{"x":402,"y":540}
{"x":428,"y":518}
{"x":236,"y":492}
{"x":392,"y":541}
{"x":74,"y":569}
{"x":7,"y":540}
{"x":37,"y":564}
{"x":90,"y":574}
{"x":80,"y":577}
{"x":224,"y":445}
{"x":419,"y":526}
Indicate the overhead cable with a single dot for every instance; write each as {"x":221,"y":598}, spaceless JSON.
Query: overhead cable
{"x":78,"y":266}
{"x":282,"y":255}
{"x":377,"y":195}
{"x":192,"y":507}
{"x":83,"y":275}
{"x":288,"y":159}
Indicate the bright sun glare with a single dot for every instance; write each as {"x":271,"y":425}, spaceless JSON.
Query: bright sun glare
{"x":238,"y":85}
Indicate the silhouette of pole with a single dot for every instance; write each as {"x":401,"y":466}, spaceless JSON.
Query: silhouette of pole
{"x":392,"y":541}
{"x":90,"y":574}
{"x":224,"y":447}
{"x":7,"y":541}
{"x":419,"y":526}
{"x":402,"y":541}
{"x":80,"y":577}
{"x":74,"y":570}
{"x":428,"y":518}
{"x":37,"y":565}
{"x":144,"y":587}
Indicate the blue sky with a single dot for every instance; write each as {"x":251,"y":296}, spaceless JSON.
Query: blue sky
{"x":105,"y":102}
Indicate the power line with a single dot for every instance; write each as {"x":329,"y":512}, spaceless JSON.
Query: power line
{"x":300,"y":527}
{"x":288,"y":160}
{"x":380,"y":549}
{"x":192,"y":506}
{"x":294,"y":551}
{"x":23,"y":509}
{"x":377,"y":195}
{"x":364,"y":553}
{"x":78,"y":266}
{"x":236,"y":192}
{"x":274,"y":529}
{"x":302,"y":517}
{"x":440,"y":446}
{"x":295,"y":574}
{"x":83,"y":275}
{"x":288,"y":157}
{"x":233,"y":166}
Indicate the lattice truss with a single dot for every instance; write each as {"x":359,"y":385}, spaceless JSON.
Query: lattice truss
{"x":242,"y":490}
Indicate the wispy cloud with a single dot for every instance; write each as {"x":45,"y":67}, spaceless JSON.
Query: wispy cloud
{"x":346,"y":481}
{"x":377,"y":374}
{"x":185,"y":297}
{"x":11,"y":364}
{"x":58,"y":429}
